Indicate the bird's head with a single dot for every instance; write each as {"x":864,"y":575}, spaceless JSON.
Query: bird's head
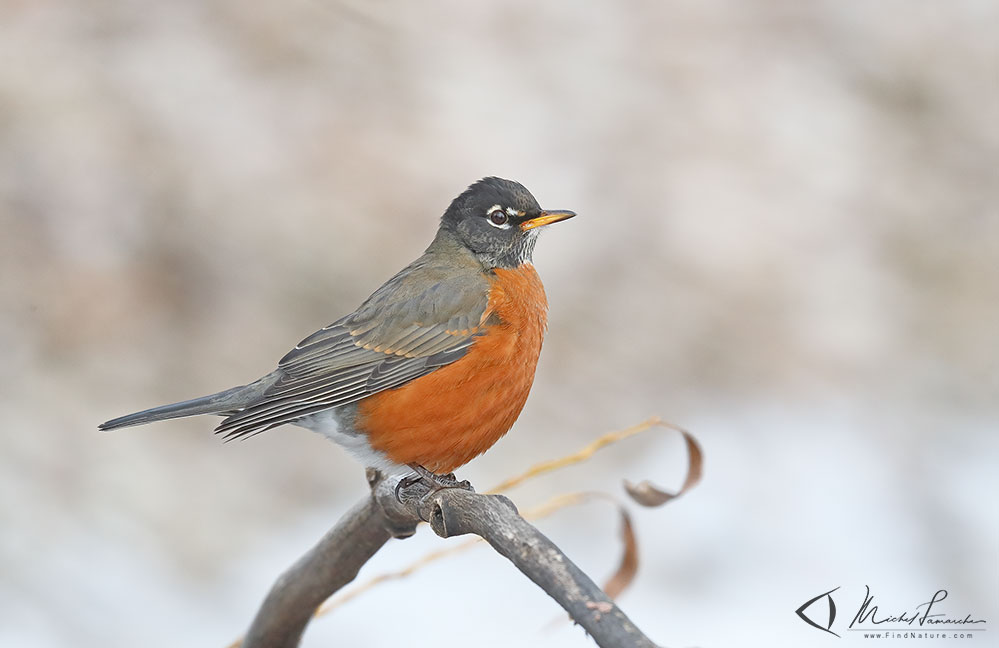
{"x":498,"y":220}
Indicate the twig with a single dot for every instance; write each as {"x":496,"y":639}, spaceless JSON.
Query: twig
{"x":321,"y":572}
{"x":583,"y":454}
{"x":645,"y":493}
{"x":336,"y":559}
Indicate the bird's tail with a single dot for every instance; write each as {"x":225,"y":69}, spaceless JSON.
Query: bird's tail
{"x":224,"y":402}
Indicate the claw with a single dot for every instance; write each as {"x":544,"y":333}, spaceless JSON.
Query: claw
{"x":405,"y":482}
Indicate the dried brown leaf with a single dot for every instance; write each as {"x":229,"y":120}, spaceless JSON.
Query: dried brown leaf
{"x":646,"y":494}
{"x":626,"y":571}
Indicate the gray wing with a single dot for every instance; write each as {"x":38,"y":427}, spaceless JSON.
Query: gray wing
{"x":422,"y":319}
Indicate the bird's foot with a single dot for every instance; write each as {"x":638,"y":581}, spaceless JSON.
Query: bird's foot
{"x":433,"y":480}
{"x":440,"y":481}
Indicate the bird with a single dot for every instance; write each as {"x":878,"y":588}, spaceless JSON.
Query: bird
{"x":430,"y":370}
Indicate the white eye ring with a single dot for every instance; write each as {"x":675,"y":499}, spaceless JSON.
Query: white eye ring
{"x":497,"y":217}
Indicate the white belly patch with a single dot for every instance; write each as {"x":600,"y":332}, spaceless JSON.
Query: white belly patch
{"x":327,"y":423}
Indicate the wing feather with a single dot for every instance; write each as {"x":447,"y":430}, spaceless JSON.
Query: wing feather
{"x":422,"y":319}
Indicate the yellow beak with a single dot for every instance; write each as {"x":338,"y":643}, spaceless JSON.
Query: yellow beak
{"x":547,"y":217}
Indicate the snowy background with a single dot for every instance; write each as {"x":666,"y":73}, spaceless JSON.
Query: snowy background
{"x":787,"y":242}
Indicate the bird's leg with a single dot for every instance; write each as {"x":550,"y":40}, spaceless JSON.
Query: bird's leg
{"x":435,"y":481}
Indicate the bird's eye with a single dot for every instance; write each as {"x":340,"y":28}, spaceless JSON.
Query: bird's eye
{"x":498,"y":217}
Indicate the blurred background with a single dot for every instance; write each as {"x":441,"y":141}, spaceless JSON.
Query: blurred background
{"x":787,"y":242}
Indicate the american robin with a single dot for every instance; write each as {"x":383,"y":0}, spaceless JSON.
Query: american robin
{"x":433,"y":368}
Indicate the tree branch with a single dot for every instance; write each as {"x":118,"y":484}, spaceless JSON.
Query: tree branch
{"x":337,"y":558}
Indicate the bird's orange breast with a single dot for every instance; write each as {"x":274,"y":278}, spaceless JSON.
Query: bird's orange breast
{"x":446,"y":418}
